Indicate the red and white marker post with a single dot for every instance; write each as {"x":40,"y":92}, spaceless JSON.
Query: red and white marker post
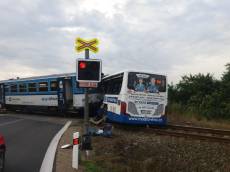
{"x":75,"y":150}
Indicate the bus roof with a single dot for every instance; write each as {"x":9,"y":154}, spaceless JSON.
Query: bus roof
{"x":127,"y":71}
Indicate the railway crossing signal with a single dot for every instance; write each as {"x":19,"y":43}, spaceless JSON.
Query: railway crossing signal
{"x":88,"y":70}
{"x":81,"y":45}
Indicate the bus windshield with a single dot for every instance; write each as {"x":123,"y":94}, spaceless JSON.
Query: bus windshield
{"x":145,"y":82}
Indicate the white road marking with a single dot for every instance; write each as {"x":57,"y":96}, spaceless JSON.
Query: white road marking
{"x":48,"y":161}
{"x":11,"y":122}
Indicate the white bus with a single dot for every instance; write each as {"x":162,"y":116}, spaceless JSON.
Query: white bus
{"x":134,"y":97}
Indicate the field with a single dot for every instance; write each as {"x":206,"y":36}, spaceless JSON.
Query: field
{"x":134,"y":150}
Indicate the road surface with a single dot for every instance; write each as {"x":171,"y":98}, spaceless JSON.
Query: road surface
{"x":26,"y":141}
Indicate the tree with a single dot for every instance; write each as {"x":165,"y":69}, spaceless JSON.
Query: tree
{"x":203,"y":94}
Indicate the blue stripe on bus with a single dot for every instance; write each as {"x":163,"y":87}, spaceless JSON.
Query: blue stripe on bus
{"x":111,"y":100}
{"x":136,"y":120}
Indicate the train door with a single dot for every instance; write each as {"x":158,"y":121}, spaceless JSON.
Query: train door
{"x":61,"y":95}
{"x":68,"y":92}
{"x":2,"y":96}
{"x":65,"y":94}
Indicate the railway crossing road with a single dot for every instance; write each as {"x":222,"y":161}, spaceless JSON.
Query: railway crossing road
{"x":27,"y":140}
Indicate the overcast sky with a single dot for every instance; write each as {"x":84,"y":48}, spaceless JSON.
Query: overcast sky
{"x":174,"y":37}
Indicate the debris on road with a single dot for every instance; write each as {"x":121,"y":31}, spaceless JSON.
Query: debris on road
{"x":67,"y":146}
{"x":105,"y":131}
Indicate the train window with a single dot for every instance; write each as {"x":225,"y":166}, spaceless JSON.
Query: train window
{"x":13,"y":88}
{"x":7,"y":88}
{"x":1,"y":93}
{"x":53,"y":86}
{"x":32,"y":87}
{"x":22,"y":87}
{"x":43,"y":86}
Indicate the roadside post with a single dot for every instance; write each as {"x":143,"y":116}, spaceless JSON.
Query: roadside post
{"x":75,"y":158}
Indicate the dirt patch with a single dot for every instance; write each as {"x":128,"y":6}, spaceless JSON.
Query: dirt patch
{"x":130,"y":151}
{"x":135,"y":150}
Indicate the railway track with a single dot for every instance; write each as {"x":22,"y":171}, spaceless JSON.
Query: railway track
{"x":192,"y":132}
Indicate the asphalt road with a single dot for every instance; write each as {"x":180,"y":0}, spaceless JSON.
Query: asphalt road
{"x":26,"y":141}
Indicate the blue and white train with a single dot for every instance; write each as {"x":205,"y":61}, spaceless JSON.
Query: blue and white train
{"x":134,"y":97}
{"x":53,"y":92}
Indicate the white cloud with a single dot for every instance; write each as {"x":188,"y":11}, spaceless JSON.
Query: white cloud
{"x":170,"y":36}
{"x":107,"y":8}
{"x":212,"y":65}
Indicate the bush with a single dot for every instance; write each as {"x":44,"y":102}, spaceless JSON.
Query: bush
{"x":201,"y":94}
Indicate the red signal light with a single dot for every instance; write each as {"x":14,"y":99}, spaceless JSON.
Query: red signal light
{"x":82,"y":65}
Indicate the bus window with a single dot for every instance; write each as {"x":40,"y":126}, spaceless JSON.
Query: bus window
{"x":53,"y":85}
{"x":22,"y":87}
{"x":43,"y":86}
{"x":144,"y":82}
{"x":32,"y":87}
{"x":116,"y":86}
{"x":13,"y":88}
{"x":113,"y":85}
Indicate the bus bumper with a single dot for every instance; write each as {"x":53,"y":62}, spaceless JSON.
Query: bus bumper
{"x":126,"y":119}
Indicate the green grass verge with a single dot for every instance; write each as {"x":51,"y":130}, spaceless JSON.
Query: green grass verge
{"x":92,"y":167}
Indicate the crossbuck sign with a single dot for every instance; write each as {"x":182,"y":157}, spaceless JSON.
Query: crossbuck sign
{"x":81,"y":45}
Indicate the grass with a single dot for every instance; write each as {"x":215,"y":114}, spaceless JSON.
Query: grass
{"x":90,"y":166}
{"x":178,"y":114}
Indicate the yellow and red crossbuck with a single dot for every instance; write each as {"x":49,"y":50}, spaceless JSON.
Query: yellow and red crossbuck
{"x":81,"y":45}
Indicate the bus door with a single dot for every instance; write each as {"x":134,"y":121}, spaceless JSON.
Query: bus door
{"x":2,"y":96}
{"x":61,"y":94}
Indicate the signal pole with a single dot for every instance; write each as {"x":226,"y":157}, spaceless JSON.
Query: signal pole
{"x":86,"y":45}
{"x":88,"y":75}
{"x":86,"y":108}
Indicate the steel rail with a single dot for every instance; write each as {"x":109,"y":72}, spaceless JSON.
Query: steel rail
{"x":199,"y":129}
{"x":191,"y":132}
{"x":192,"y":135}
